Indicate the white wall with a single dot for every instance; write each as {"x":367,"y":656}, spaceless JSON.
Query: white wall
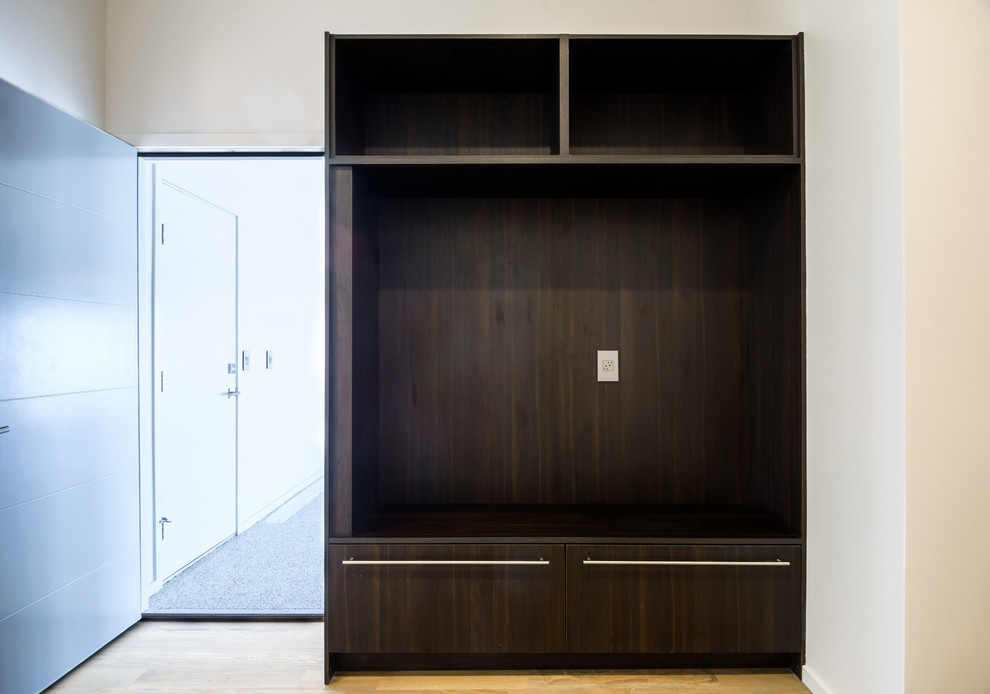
{"x":855,"y":349}
{"x":945,"y":49}
{"x":56,"y":50}
{"x":855,"y":275}
{"x":855,"y":290}
{"x":280,"y":212}
{"x":249,"y":73}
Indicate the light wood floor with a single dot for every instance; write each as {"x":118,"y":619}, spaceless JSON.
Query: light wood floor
{"x":288,"y":657}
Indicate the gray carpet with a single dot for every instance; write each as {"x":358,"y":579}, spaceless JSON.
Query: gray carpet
{"x":274,"y":567}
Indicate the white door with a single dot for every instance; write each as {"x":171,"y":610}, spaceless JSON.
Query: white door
{"x":195,"y":358}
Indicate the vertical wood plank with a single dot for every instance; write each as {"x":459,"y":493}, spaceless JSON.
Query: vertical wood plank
{"x":330,"y":79}
{"x":565,"y":95}
{"x":340,"y":331}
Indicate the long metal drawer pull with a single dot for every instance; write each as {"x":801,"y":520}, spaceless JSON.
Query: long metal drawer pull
{"x":448,"y":562}
{"x":686,"y":563}
{"x":4,"y":430}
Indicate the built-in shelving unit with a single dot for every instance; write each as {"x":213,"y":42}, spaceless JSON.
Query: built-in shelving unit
{"x":499,"y":209}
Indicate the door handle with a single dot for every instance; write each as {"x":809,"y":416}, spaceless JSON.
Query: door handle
{"x":4,"y":430}
{"x":446,"y":562}
{"x":232,"y":393}
{"x":602,"y":562}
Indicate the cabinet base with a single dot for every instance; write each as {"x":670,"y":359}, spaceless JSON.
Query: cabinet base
{"x":557,"y":661}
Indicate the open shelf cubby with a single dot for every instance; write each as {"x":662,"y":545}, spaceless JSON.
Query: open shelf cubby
{"x":475,"y":325}
{"x":682,"y":95}
{"x":445,"y":96}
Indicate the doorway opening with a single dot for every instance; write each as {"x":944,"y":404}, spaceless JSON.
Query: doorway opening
{"x":232,"y":335}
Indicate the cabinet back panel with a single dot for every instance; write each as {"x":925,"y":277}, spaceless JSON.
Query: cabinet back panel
{"x":490,"y":314}
{"x":660,"y":124}
{"x":458,"y":123}
{"x":413,"y":96}
{"x":672,"y":96}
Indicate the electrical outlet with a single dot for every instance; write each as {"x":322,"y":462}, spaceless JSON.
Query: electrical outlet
{"x":608,"y":365}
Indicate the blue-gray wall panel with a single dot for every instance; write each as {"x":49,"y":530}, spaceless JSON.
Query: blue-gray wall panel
{"x":48,"y":248}
{"x":69,"y":534}
{"x":52,"y":154}
{"x":45,"y":640}
{"x":79,"y":529}
{"x":100,"y":425}
{"x":50,"y":346}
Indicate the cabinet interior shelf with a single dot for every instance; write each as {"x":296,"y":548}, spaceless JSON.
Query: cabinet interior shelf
{"x":574,"y":177}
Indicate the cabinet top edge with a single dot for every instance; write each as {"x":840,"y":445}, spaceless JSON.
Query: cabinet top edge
{"x":567,"y":540}
{"x":536,"y":37}
{"x":567,"y":159}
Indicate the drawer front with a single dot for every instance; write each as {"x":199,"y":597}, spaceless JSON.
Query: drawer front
{"x":684,"y":599}
{"x":446,"y":598}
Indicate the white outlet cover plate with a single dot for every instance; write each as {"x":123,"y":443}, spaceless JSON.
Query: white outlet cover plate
{"x":608,"y":365}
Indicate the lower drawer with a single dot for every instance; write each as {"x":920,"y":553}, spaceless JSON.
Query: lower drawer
{"x":684,"y":599}
{"x":446,"y":598}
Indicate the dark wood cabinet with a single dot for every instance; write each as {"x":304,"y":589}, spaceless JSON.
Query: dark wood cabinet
{"x":500,"y":209}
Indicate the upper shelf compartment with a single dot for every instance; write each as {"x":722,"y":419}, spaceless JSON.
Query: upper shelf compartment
{"x":682,"y":95}
{"x":444,"y":96}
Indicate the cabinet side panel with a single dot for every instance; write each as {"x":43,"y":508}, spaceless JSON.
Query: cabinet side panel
{"x":365,"y":353}
{"x":340,"y":280}
{"x":776,"y":349}
{"x":770,"y":107}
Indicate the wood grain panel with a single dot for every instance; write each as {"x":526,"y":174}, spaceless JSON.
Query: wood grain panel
{"x":446,"y":609}
{"x":340,"y":348}
{"x":455,"y":95}
{"x":490,"y":315}
{"x":672,"y":96}
{"x":365,"y":351}
{"x":459,"y":123}
{"x":776,"y":401}
{"x":683,"y":609}
{"x":608,"y":123}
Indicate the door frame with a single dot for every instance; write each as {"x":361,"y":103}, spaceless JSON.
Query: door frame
{"x":150,"y":583}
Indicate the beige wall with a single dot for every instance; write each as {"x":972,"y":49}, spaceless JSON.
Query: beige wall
{"x":249,"y":73}
{"x":946,"y":95}
{"x":56,"y":50}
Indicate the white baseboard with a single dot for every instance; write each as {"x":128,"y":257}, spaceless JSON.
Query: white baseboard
{"x":813,"y":682}
{"x":258,"y":515}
